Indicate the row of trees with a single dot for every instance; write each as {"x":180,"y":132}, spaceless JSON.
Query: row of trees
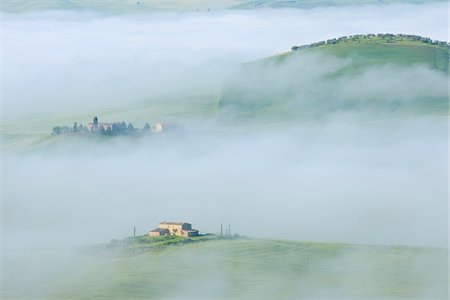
{"x":112,"y":129}
{"x":385,"y":36}
{"x":121,"y":129}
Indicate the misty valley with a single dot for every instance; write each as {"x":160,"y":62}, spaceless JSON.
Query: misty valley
{"x":224,"y":149}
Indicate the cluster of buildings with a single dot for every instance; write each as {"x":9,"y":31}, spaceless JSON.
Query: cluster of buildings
{"x":106,"y":128}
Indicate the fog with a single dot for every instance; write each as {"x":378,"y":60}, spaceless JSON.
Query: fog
{"x":359,"y":176}
{"x":333,"y":183}
{"x":379,"y":175}
{"x":65,"y":61}
{"x":327,"y":85}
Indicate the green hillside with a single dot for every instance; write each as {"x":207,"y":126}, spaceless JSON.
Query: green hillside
{"x":126,"y":6}
{"x":233,"y":269}
{"x":385,"y":75}
{"x":117,"y":6}
{"x":310,"y":83}
{"x":383,"y":49}
{"x":316,"y":3}
{"x":33,"y":131}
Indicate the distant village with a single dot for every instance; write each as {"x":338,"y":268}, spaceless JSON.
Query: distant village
{"x":110,"y":129}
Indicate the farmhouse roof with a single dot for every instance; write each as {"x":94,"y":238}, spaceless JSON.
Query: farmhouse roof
{"x":160,"y":230}
{"x":174,"y":223}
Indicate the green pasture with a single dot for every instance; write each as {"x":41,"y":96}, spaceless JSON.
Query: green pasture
{"x":136,"y":6}
{"x":232,"y":269}
{"x":272,"y":93}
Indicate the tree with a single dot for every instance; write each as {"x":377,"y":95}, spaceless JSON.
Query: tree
{"x":130,"y":127}
{"x":95,"y":127}
{"x":146,"y":127}
{"x":116,"y":128}
{"x":56,"y":130}
{"x":75,"y":127}
{"x":65,"y":129}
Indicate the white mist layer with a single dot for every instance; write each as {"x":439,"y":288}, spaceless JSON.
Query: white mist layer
{"x":59,"y":62}
{"x":376,"y":184}
{"x":350,"y":177}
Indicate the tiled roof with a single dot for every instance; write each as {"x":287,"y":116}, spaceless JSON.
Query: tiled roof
{"x":173,"y":223}
{"x":160,"y":230}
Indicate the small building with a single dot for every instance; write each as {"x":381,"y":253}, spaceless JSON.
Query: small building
{"x":98,"y":126}
{"x":164,"y":127}
{"x":159,"y":232}
{"x":174,"y":228}
{"x":95,"y":125}
{"x":158,"y":127}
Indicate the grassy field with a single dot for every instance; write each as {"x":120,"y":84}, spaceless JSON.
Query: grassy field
{"x":127,"y":6}
{"x":280,"y":87}
{"x":117,"y":6}
{"x":317,"y":3}
{"x":231,"y":269}
{"x":370,"y":50}
{"x":270,"y":96}
{"x":34,"y":131}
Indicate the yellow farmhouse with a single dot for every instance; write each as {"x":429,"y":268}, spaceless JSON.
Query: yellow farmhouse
{"x":174,"y":228}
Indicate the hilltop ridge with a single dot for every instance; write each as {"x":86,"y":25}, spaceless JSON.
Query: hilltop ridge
{"x":316,"y":80}
{"x":382,"y":37}
{"x":118,"y":6}
{"x":379,"y":48}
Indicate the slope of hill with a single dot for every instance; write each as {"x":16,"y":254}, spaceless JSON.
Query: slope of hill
{"x":35,"y":130}
{"x":315,"y":3}
{"x":118,"y":6}
{"x":234,"y":269}
{"x":385,"y":48}
{"x":389,"y":75}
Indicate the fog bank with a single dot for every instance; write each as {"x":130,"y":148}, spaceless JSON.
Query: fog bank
{"x":61,"y":62}
{"x":380,"y":183}
{"x":361,"y":176}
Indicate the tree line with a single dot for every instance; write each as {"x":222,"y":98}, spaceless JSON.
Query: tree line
{"x":389,"y":37}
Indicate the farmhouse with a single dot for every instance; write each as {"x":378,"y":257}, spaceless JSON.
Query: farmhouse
{"x":174,"y":228}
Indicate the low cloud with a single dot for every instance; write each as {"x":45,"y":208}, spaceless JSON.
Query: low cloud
{"x":356,"y":176}
{"x":379,"y":183}
{"x":59,"y":62}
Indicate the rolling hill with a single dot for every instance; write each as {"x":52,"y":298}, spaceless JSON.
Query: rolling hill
{"x":233,"y":269}
{"x":384,"y":49}
{"x":383,"y":75}
{"x":378,"y":76}
{"x":316,"y":3}
{"x":118,"y":6}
